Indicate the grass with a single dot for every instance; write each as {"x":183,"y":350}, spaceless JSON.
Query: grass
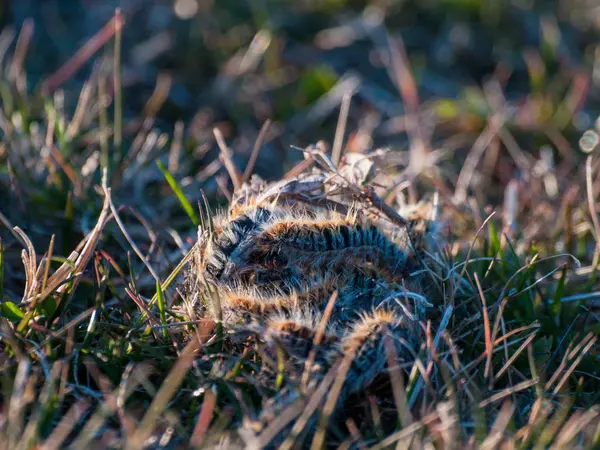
{"x":99,"y":213}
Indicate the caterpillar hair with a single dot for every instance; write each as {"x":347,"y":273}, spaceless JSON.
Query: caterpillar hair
{"x":325,"y":244}
{"x":365,"y":340}
{"x":218,"y":246}
{"x":296,"y":334}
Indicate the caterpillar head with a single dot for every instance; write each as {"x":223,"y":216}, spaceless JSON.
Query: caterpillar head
{"x":217,"y":246}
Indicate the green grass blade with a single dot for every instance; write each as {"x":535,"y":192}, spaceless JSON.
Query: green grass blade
{"x":1,"y":271}
{"x":179,"y":193}
{"x":11,"y":311}
{"x":167,"y":283}
{"x":280,"y":368}
{"x":161,"y":308}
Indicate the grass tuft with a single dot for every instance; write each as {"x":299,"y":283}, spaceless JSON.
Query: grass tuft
{"x":104,"y":343}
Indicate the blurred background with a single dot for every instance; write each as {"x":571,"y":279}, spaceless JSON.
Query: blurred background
{"x":234,"y":64}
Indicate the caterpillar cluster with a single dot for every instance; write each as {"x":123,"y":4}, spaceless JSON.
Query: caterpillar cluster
{"x":275,"y":269}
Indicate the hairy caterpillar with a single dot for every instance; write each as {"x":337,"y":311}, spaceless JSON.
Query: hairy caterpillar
{"x":324,"y":244}
{"x":267,"y":246}
{"x":275,"y":268}
{"x":364,"y":342}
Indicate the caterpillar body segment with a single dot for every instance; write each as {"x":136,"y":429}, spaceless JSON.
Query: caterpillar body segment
{"x":298,"y":337}
{"x":327,"y":237}
{"x":364,"y":343}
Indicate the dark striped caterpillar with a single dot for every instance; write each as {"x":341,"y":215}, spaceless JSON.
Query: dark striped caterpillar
{"x":266,"y":241}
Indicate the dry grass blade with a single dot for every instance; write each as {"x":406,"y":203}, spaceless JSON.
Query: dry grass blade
{"x":74,"y":265}
{"x":260,"y":140}
{"x":80,"y":110}
{"x":489,"y":346}
{"x":203,"y":422}
{"x":571,"y":354}
{"x":497,"y":433}
{"x":69,"y":327}
{"x":43,"y":285}
{"x":400,"y":72}
{"x":536,"y":415}
{"x":576,"y":424}
{"x":165,"y":393}
{"x":11,"y":228}
{"x":398,"y":387}
{"x":332,"y":399}
{"x":82,"y":55}
{"x":299,"y":168}
{"x":234,"y":173}
{"x":176,"y":146}
{"x":69,"y":171}
{"x":88,"y":249}
{"x":515,"y":355}
{"x":106,"y":409}
{"x":115,"y":213}
{"x":66,"y":425}
{"x":160,"y":94}
{"x":499,"y":341}
{"x":145,"y":310}
{"x":279,"y":423}
{"x":300,"y":406}
{"x":21,"y":47}
{"x":405,"y":434}
{"x":356,"y":437}
{"x":338,"y":141}
{"x":433,"y":352}
{"x":568,"y":373}
{"x":318,"y":338}
{"x":48,"y":260}
{"x":560,"y":368}
{"x":19,"y":400}
{"x":479,"y":147}
{"x":468,"y":256}
{"x":30,"y":263}
{"x":176,"y":271}
{"x":514,"y":149}
{"x":547,"y":434}
{"x":509,"y":391}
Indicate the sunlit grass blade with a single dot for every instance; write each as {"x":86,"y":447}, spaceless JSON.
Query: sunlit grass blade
{"x":161,"y":308}
{"x":11,"y":311}
{"x":1,"y":271}
{"x":179,"y":193}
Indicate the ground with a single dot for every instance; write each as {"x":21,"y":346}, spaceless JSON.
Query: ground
{"x":125,"y":132}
